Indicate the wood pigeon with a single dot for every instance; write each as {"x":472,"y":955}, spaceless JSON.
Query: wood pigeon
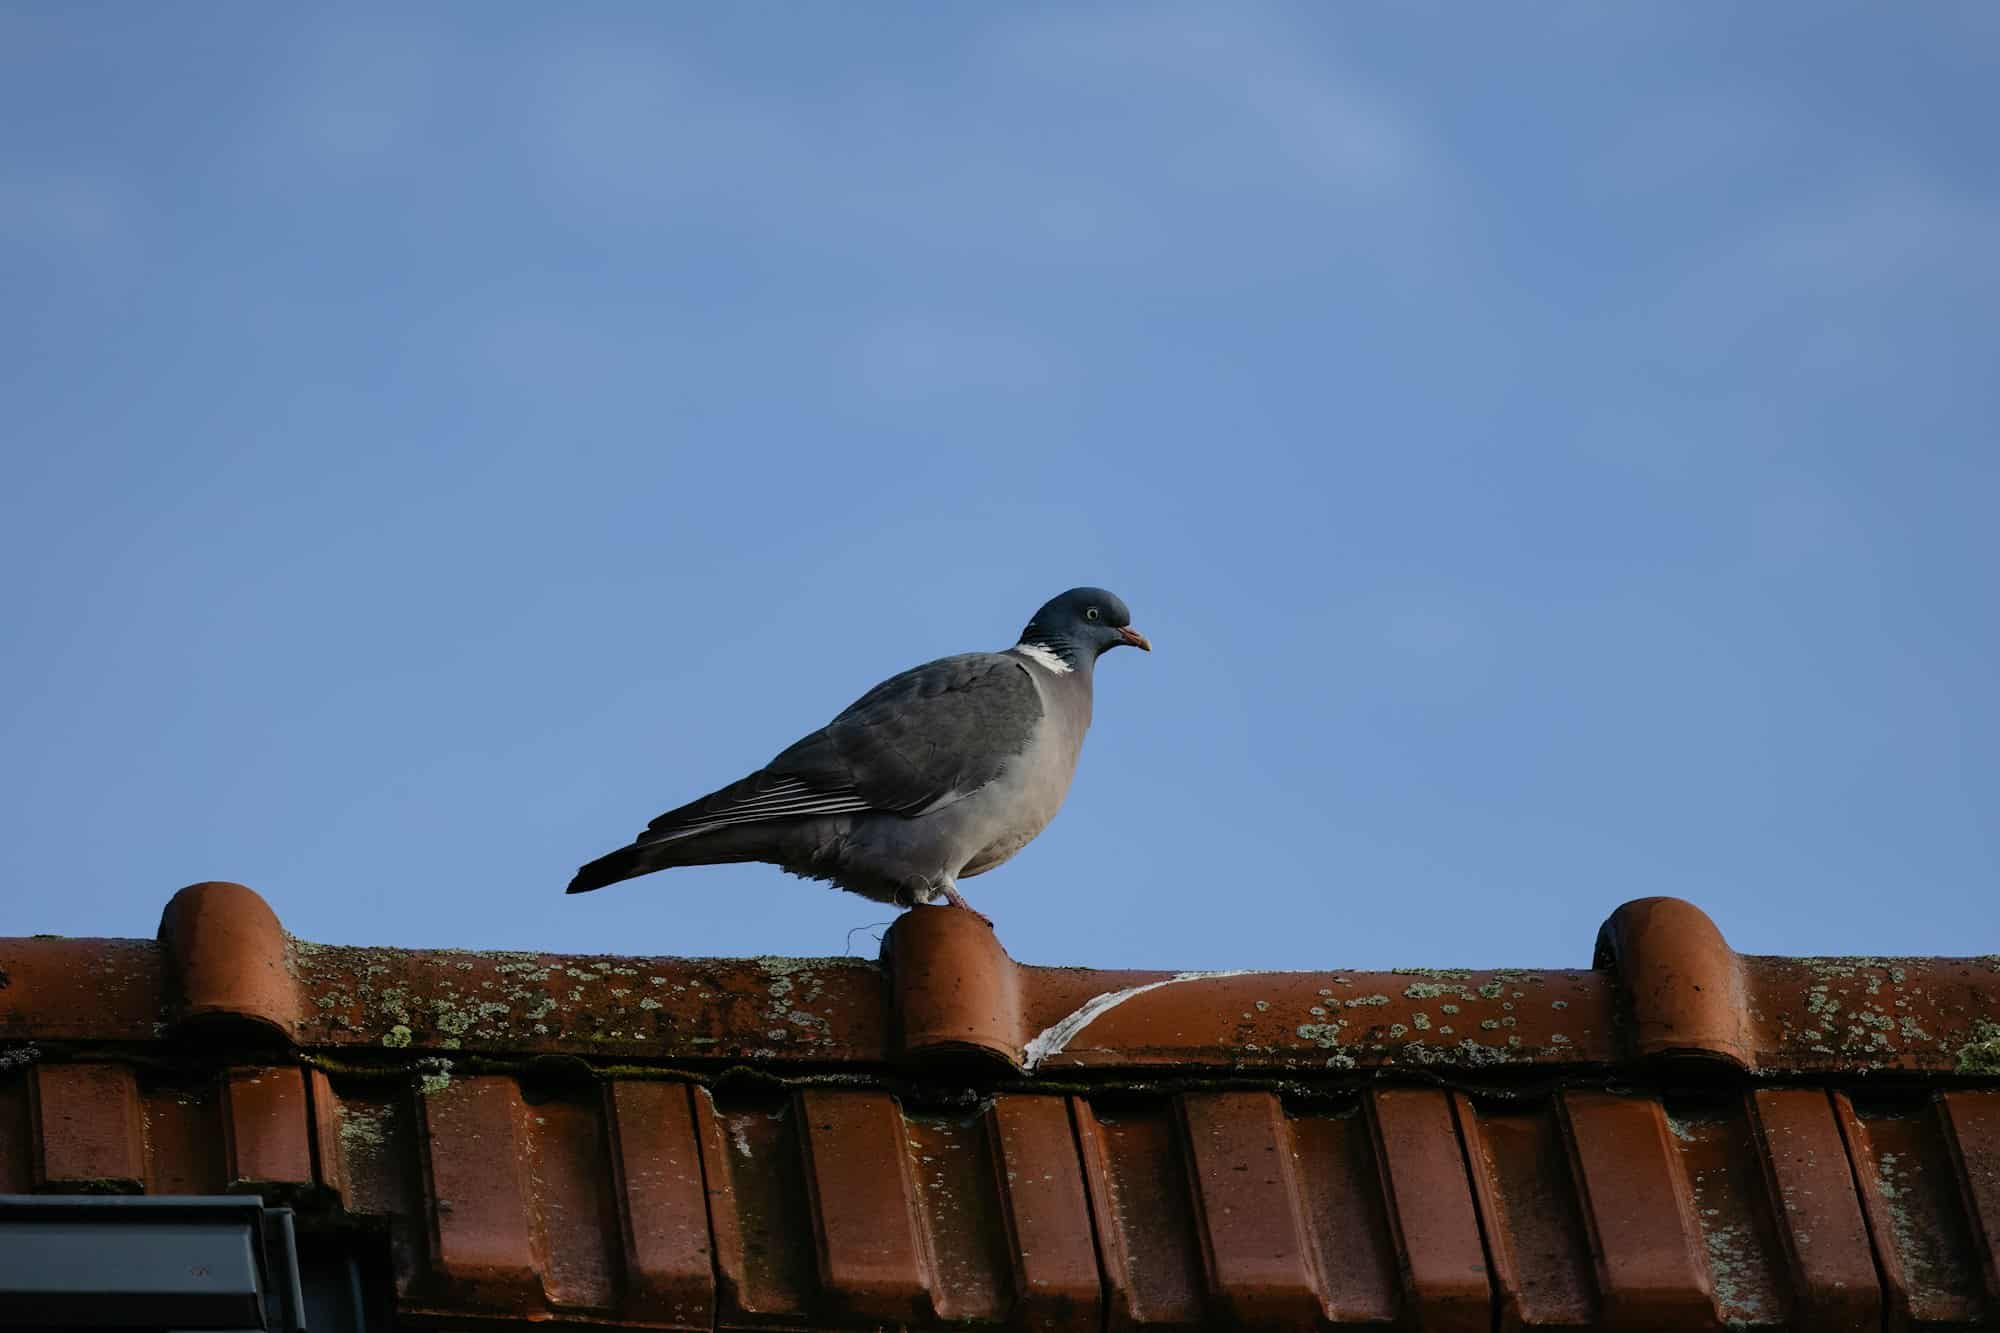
{"x":934,"y":775}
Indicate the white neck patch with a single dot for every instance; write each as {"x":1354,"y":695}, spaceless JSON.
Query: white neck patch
{"x":1042,"y":657}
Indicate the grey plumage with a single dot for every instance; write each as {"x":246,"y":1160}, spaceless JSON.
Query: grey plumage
{"x":939,"y":773}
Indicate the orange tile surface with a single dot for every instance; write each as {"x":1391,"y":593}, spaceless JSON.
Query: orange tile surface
{"x":1677,"y":1138}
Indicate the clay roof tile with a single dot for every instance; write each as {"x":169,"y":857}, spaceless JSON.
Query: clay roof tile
{"x":1676,"y":1137}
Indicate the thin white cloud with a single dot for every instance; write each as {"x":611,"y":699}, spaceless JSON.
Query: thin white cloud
{"x":1887,"y":232}
{"x":1799,"y":526}
{"x":358,"y":91}
{"x":1231,"y":81}
{"x":1085,"y":138}
{"x":1831,"y":287}
{"x":1427,"y":633}
{"x":633,"y":131}
{"x":922,"y":357}
{"x":84,"y":217}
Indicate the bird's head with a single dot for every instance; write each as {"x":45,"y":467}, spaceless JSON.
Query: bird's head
{"x":1082,"y":624}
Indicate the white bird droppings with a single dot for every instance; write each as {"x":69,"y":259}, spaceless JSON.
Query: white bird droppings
{"x":1052,"y":1041}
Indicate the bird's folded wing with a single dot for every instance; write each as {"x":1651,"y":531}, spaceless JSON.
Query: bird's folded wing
{"x":914,"y":743}
{"x":762,"y":796}
{"x":938,"y":732}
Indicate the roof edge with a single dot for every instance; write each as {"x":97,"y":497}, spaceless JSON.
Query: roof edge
{"x":1665,"y":989}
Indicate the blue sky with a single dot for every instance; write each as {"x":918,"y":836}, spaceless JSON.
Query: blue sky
{"x":1552,"y":449}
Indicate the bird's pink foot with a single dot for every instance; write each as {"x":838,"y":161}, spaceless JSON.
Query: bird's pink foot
{"x":957,"y":899}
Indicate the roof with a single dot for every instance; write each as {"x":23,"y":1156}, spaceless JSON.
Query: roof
{"x":1678,"y":1136}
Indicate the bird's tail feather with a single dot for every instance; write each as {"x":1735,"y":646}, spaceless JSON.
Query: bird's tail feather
{"x":713,"y":847}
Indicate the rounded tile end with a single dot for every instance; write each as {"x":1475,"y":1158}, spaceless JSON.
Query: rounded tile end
{"x":956,"y":991}
{"x":1680,"y":983}
{"x":227,"y":954}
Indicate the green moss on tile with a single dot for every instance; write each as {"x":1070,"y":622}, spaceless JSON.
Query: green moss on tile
{"x":1981,"y":1055}
{"x":1464,"y":1053}
{"x":361,"y":1131}
{"x":433,"y":1075}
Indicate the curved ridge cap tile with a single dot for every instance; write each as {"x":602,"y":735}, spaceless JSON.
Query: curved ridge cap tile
{"x":1681,"y":983}
{"x":956,"y":991}
{"x":228,"y":957}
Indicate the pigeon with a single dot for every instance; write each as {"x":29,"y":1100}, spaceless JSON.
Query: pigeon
{"x":935,"y":775}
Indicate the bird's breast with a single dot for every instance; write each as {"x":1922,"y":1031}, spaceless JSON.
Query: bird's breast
{"x":1034,"y":785}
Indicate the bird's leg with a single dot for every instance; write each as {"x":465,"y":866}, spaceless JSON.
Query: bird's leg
{"x":957,"y":899}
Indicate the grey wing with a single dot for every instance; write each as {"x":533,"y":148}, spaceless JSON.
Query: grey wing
{"x":938,"y":732}
{"x":915,"y":742}
{"x":764,"y":795}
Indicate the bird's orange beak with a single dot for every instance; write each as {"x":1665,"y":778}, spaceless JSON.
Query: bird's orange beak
{"x":1135,"y":638}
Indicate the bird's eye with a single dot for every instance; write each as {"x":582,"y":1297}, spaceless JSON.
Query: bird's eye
{"x":1091,"y":614}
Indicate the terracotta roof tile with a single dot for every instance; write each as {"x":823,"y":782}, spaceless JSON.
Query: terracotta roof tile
{"x":1429,"y":1197}
{"x":1823,"y":1238}
{"x":89,"y":1134}
{"x":1664,"y":986}
{"x":657,"y":1178}
{"x":1677,"y":1137}
{"x":266,"y":1130}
